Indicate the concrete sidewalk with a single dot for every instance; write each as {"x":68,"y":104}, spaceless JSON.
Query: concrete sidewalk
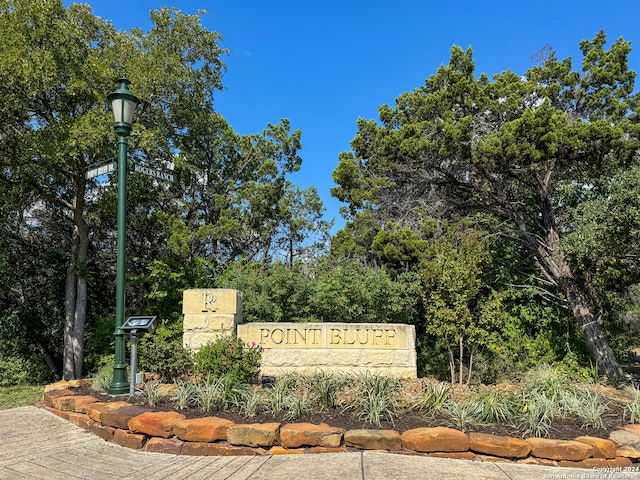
{"x":35,"y":444}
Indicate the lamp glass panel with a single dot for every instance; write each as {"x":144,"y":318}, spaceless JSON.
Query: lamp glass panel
{"x":129,"y":106}
{"x":117,"y":105}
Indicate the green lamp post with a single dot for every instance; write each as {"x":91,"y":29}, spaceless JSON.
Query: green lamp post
{"x":124,"y":104}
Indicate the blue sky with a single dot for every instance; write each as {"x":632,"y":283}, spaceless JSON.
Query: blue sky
{"x":324,"y":64}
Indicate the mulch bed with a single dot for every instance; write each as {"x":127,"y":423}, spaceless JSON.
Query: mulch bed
{"x":561,"y":428}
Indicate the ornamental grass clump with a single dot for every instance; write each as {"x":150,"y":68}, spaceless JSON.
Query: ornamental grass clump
{"x":229,"y":356}
{"x":537,"y":413}
{"x":493,"y":406}
{"x":253,"y":402}
{"x":219,"y":393}
{"x":102,"y":380}
{"x":460,"y":415}
{"x":207,"y":393}
{"x":633,"y":407}
{"x":546,"y":394}
{"x":278,"y":396}
{"x":433,"y":396}
{"x":324,"y":387}
{"x":375,"y":398}
{"x":185,"y":393}
{"x":150,"y":392}
{"x":591,"y":407}
{"x":298,"y":403}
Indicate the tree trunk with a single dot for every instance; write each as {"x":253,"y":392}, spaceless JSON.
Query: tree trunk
{"x":80,"y":314}
{"x":460,"y":361}
{"x":68,"y":368}
{"x":470,"y":368}
{"x":452,"y":366}
{"x":551,"y":262}
{"x":591,"y":329}
{"x":50,"y":363}
{"x":76,"y":290}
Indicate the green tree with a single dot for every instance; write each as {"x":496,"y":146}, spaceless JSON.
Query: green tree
{"x":233,"y":185}
{"x":301,"y":221}
{"x":271,"y":292}
{"x":53,"y":129}
{"x":58,"y":123}
{"x":346,"y":291}
{"x":451,"y":273}
{"x":507,"y":146}
{"x":399,"y":248}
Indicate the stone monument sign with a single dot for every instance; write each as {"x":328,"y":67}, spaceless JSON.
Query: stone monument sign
{"x":381,"y":348}
{"x":208,"y":314}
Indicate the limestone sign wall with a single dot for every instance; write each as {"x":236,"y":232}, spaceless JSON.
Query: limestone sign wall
{"x":209,"y":313}
{"x":387,"y":349}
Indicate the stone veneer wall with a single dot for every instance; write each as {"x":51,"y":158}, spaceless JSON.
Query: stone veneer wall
{"x":208,"y":314}
{"x":170,"y":432}
{"x":384,"y":349}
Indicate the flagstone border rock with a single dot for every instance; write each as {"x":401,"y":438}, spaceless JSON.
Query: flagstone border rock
{"x":170,"y":432}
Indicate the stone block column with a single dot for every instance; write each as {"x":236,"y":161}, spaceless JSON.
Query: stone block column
{"x":209,"y":313}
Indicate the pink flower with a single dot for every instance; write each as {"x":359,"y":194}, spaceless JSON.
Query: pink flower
{"x":224,"y":363}
{"x":253,"y":344}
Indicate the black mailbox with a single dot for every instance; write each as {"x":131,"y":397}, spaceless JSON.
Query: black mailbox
{"x":140,"y":324}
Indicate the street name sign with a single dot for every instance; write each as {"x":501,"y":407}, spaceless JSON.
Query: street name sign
{"x":100,"y":170}
{"x":154,"y":172}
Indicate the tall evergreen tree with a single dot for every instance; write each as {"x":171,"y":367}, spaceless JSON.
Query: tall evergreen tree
{"x":510,"y":146}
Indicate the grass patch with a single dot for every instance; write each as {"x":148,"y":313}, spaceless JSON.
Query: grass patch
{"x":19,"y":396}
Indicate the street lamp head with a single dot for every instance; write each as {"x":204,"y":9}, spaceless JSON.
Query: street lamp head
{"x":124,"y":104}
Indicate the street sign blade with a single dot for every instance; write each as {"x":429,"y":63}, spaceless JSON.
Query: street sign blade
{"x":100,"y":170}
{"x":154,"y":172}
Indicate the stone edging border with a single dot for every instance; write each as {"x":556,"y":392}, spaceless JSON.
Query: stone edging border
{"x":170,"y":432}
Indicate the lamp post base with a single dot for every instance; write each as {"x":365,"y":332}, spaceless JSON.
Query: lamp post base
{"x":119,"y":384}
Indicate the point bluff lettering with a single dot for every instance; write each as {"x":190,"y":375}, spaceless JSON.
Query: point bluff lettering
{"x":379,"y":337}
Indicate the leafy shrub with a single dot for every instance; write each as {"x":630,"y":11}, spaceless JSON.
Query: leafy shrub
{"x":163,"y":353}
{"x":99,"y":344}
{"x":229,"y":356}
{"x":23,"y":371}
